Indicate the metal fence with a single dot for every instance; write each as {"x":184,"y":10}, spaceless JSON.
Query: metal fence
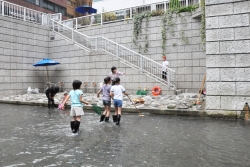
{"x":26,"y":14}
{"x":121,"y":15}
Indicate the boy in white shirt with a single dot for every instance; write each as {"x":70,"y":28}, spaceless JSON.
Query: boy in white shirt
{"x":117,"y":92}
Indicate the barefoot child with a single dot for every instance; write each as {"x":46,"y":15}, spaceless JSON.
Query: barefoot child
{"x":117,"y":92}
{"x":106,"y":99}
{"x":76,"y":112}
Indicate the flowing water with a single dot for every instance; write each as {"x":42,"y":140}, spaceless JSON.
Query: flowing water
{"x":37,"y":136}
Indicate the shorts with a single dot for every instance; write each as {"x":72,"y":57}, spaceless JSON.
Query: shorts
{"x":76,"y":111}
{"x":164,"y":75}
{"x":106,"y":103}
{"x":117,"y":103}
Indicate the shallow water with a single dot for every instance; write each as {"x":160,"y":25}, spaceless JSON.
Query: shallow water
{"x":36,"y":136}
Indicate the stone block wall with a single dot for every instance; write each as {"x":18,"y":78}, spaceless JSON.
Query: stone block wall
{"x":92,"y":67}
{"x":188,"y":60}
{"x":227,"y":49}
{"x":21,"y":45}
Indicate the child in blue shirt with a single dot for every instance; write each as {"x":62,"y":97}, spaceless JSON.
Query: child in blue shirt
{"x":76,"y":111}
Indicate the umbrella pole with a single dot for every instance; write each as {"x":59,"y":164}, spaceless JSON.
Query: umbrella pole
{"x":47,"y":73}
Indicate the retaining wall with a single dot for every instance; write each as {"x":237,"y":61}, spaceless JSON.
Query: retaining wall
{"x":227,"y":49}
{"x":21,"y":44}
{"x":187,"y":59}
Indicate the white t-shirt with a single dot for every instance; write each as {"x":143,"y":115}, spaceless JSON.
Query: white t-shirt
{"x":164,"y":65}
{"x":118,"y":91}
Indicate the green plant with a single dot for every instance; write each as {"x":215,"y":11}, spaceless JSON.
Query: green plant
{"x":109,"y":16}
{"x":203,"y":22}
{"x":174,"y":4}
{"x":188,"y":8}
{"x":137,"y":19}
{"x":167,"y":24}
{"x":157,"y":13}
{"x":85,"y":22}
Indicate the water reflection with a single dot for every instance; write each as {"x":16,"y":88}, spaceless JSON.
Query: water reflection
{"x":36,"y":136}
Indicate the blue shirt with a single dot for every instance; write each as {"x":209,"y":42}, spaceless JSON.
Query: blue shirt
{"x":75,"y":98}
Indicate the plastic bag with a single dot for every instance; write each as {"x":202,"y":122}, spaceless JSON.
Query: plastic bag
{"x":29,"y":90}
{"x":36,"y":90}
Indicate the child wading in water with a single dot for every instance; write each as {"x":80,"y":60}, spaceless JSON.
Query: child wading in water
{"x":117,"y":92}
{"x":76,"y":105}
{"x":106,"y":99}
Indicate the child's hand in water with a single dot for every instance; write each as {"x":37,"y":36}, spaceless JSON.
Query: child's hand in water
{"x":63,"y":107}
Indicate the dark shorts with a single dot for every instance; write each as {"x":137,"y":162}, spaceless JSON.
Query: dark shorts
{"x":164,"y":75}
{"x":117,"y":103}
{"x":106,"y":103}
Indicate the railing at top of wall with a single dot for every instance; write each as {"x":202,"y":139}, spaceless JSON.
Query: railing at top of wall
{"x":121,"y":15}
{"x":135,"y":60}
{"x":27,"y":14}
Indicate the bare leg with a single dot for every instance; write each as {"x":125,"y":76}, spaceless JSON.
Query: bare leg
{"x":119,"y":110}
{"x":105,"y":111}
{"x":78,"y":118}
{"x":108,"y":111}
{"x":116,"y":110}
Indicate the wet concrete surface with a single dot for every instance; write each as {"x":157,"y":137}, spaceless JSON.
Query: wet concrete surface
{"x":37,"y":136}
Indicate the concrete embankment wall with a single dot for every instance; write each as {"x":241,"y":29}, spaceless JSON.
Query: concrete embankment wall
{"x":21,"y":45}
{"x":227,"y":49}
{"x":186,"y":58}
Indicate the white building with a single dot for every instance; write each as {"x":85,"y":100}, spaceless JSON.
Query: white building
{"x":112,"y":5}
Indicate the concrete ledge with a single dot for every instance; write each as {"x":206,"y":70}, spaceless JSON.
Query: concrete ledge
{"x":177,"y":112}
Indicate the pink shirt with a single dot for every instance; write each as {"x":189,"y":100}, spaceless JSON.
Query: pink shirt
{"x":117,"y":74}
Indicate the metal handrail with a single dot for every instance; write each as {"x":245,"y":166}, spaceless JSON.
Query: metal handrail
{"x":27,"y":14}
{"x":122,"y":14}
{"x":131,"y":58}
{"x":133,"y":51}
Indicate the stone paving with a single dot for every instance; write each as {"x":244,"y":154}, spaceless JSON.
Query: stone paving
{"x":153,"y":104}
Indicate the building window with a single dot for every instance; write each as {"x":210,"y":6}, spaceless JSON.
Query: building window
{"x":36,"y":2}
{"x":54,"y":7}
{"x":97,"y":0}
{"x":51,"y":6}
{"x":45,"y":4}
